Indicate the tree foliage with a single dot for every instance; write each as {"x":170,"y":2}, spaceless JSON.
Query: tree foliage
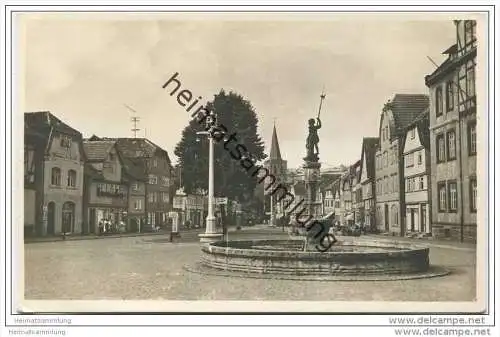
{"x":238,"y":116}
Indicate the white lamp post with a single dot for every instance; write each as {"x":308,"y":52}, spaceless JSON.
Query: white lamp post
{"x":211,"y":234}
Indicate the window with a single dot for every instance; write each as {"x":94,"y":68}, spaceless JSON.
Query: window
{"x":412,"y":184}
{"x":394,"y":212}
{"x":421,"y":183}
{"x":71,"y":178}
{"x":472,"y":139}
{"x":155,"y":162}
{"x":395,"y":182}
{"x":164,"y":181}
{"x":409,"y":160}
{"x":153,"y":180}
{"x":412,"y":133}
{"x":440,"y":145}
{"x":419,"y":158}
{"x":138,"y":204}
{"x":151,"y":218}
{"x":152,"y":197}
{"x":449,"y":96}
{"x":473,"y":195}
{"x":65,"y":141}
{"x":393,"y":156}
{"x":135,"y":187}
{"x":439,"y":101}
{"x":451,"y":145}
{"x":452,"y":194}
{"x":441,"y":187}
{"x":470,"y":80}
{"x":29,"y":165}
{"x":470,"y":31}
{"x":407,"y":184}
{"x":385,"y":159}
{"x":164,"y":197}
{"x":56,"y":176}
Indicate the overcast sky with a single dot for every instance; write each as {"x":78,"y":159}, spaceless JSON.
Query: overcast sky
{"x":84,"y":70}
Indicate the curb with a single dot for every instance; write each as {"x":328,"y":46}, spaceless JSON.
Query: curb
{"x":94,"y":237}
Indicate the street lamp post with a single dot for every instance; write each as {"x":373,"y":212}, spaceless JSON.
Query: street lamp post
{"x":211,"y":233}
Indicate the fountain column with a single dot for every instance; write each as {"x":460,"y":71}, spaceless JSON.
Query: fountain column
{"x":312,"y":180}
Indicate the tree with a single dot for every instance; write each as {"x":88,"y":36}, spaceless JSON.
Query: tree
{"x":238,"y":117}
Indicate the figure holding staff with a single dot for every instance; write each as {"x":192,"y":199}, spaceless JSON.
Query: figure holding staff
{"x":313,"y":138}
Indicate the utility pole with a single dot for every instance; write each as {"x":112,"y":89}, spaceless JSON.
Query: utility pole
{"x":134,"y":120}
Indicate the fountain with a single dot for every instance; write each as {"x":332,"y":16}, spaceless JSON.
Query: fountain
{"x":302,"y":259}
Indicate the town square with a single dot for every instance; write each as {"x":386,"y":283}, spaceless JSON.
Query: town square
{"x":302,"y":171}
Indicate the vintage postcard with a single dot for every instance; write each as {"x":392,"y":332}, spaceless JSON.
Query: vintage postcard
{"x":297,"y":162}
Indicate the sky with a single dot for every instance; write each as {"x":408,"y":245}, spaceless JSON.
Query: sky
{"x":85,"y":69}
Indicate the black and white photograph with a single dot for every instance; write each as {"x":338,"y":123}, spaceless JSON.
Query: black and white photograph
{"x":251,"y":162}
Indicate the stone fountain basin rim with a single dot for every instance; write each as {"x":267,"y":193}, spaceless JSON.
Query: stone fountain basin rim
{"x":220,"y":248}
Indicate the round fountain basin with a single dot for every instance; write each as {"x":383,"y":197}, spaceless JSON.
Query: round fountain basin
{"x":286,"y":257}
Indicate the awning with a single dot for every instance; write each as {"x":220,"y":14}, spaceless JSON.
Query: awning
{"x":350,"y":217}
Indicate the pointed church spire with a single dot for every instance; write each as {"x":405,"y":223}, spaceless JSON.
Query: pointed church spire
{"x":275,"y":147}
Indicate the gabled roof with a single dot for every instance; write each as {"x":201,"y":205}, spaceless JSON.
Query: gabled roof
{"x":97,"y":151}
{"x":421,"y":122}
{"x":134,"y":168}
{"x":44,"y":121}
{"x":406,"y":107}
{"x":135,"y":147}
{"x":368,"y":150}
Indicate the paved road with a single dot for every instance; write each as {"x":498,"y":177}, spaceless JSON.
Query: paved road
{"x":151,"y":268}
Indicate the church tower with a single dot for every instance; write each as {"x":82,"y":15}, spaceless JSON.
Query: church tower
{"x":278,"y":168}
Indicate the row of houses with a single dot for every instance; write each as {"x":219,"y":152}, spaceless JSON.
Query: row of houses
{"x":419,"y":174}
{"x":71,"y":183}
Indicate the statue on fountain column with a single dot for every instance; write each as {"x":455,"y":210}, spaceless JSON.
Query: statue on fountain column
{"x":313,"y":140}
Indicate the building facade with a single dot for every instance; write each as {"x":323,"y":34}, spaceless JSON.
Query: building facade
{"x":367,"y":181}
{"x":61,"y":174}
{"x":134,"y":173}
{"x":159,"y":172}
{"x":396,"y":115}
{"x":105,"y":191}
{"x":452,"y":88}
{"x":416,"y":156}
{"x":356,"y":194}
{"x":34,"y":143}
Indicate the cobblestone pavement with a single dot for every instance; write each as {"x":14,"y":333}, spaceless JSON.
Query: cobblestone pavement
{"x":143,"y":268}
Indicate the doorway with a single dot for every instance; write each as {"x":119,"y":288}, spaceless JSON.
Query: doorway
{"x":423,"y":218}
{"x":386,"y":217}
{"x":412,"y":219}
{"x":92,"y":220}
{"x":68,"y":217}
{"x":51,"y":218}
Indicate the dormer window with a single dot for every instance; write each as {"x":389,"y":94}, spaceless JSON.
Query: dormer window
{"x":65,"y":141}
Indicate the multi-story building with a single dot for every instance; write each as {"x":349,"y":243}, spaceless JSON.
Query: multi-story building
{"x":159,"y":171}
{"x":452,"y":88}
{"x":190,"y":207}
{"x":389,"y":173}
{"x":59,"y":165}
{"x":367,"y":181}
{"x":416,"y":154}
{"x":329,"y":199}
{"x":159,"y":187}
{"x":346,"y":198}
{"x":134,"y":173}
{"x":338,"y":205}
{"x":105,"y":190}
{"x":356,"y":193}
{"x":34,"y":149}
